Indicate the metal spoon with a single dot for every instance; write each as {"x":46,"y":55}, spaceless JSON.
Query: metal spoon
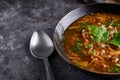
{"x":41,"y":46}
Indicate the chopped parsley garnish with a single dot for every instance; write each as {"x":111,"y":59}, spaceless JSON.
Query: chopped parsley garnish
{"x":113,"y":69}
{"x":98,"y":33}
{"x":76,"y":48}
{"x":116,"y":39}
{"x":117,"y":64}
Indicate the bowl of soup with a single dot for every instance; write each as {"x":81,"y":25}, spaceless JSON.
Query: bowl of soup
{"x":89,"y":38}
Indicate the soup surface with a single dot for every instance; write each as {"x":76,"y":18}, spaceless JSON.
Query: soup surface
{"x":93,"y":42}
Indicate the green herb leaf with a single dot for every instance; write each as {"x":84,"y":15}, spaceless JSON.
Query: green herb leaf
{"x":105,"y":36}
{"x":116,"y":39}
{"x":113,"y":69}
{"x":98,"y":33}
{"x":117,"y":64}
{"x":76,"y":48}
{"x":94,"y":30}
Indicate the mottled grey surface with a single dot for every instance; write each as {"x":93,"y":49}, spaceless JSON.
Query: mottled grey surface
{"x":18,"y":20}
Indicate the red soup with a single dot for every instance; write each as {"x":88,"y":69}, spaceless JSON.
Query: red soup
{"x":93,"y":42}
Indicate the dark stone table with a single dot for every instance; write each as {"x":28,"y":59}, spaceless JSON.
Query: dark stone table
{"x":18,"y":20}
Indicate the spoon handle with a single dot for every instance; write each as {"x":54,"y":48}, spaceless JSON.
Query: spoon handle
{"x":48,"y":69}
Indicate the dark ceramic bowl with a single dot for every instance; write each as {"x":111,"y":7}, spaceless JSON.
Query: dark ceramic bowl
{"x":74,"y":15}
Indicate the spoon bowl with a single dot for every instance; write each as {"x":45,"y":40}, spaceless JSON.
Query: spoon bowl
{"x":41,"y":46}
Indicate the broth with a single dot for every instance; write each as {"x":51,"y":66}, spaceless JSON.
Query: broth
{"x":92,"y":42}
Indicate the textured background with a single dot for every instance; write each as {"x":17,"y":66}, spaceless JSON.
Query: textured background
{"x":18,"y":20}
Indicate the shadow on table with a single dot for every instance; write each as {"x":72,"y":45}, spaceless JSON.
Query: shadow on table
{"x":90,"y":1}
